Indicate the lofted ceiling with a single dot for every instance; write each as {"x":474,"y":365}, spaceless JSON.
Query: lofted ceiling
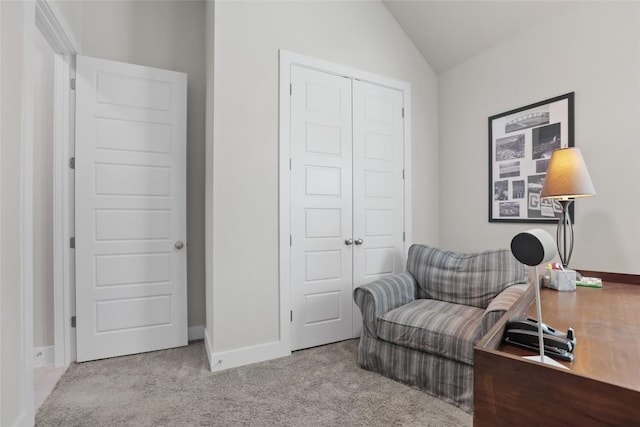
{"x":448,"y":33}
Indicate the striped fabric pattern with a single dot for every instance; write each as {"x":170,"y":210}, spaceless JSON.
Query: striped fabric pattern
{"x":447,"y":379}
{"x":500,"y":304}
{"x":467,"y":279}
{"x":437,"y":327}
{"x":377,"y":298}
{"x":420,"y":327}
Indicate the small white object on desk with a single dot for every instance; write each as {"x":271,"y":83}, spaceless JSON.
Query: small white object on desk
{"x":562,"y":280}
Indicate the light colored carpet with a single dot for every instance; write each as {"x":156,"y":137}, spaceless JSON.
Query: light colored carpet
{"x":322,"y":386}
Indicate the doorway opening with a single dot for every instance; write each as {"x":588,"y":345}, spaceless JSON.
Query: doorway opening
{"x":51,"y":204}
{"x":46,"y":373}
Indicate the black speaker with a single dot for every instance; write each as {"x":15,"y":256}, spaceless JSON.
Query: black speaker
{"x":533,"y":247}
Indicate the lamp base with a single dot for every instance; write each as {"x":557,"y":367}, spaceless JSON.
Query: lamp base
{"x":564,"y":234}
{"x":546,"y":360}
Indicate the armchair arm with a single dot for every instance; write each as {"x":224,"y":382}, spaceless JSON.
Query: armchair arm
{"x":376,"y":298}
{"x":500,"y":304}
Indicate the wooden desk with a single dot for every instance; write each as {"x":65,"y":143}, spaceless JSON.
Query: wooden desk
{"x":602,"y":386}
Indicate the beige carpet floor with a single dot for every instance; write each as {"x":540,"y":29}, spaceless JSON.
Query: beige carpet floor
{"x":322,"y":386}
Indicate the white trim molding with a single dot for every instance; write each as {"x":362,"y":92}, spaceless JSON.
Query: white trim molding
{"x":27,"y":207}
{"x":43,"y":356}
{"x":63,"y":218}
{"x":23,"y":420}
{"x":287,"y":59}
{"x":51,"y":23}
{"x":1,"y":201}
{"x":245,"y":356}
{"x":207,"y":347}
{"x":284,"y":256}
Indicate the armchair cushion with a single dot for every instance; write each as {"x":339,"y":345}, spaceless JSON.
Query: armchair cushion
{"x":468,"y":279}
{"x":437,"y":327}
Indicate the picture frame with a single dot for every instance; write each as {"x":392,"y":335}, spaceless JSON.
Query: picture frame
{"x":520,"y":145}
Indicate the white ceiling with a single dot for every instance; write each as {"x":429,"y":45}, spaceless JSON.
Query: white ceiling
{"x":448,"y":33}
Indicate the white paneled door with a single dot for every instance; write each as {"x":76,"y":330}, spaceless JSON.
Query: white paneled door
{"x":131,"y":280}
{"x":321,"y":210}
{"x":347,"y":199}
{"x":378,"y":182}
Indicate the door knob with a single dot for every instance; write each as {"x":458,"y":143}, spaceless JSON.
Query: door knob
{"x":348,"y":242}
{"x":359,"y":241}
{"x":179,"y":245}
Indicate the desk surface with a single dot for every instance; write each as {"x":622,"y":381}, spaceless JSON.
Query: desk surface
{"x":607,"y":325}
{"x":602,"y":386}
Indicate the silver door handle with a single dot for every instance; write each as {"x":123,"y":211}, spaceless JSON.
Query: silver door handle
{"x":359,"y":241}
{"x":179,"y":245}
{"x":348,"y":242}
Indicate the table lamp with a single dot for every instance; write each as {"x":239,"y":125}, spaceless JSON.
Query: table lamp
{"x":567,"y":178}
{"x":532,"y":248}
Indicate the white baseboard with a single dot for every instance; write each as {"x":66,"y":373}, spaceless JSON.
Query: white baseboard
{"x":207,"y":346}
{"x":23,"y":420}
{"x":44,"y":356}
{"x":196,"y":332}
{"x":246,"y":356}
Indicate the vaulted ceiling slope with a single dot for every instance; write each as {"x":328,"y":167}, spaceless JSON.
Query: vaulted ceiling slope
{"x":448,"y":33}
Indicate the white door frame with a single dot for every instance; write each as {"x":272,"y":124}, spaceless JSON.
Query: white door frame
{"x":287,"y":59}
{"x":26,"y":212}
{"x":51,"y":23}
{"x":42,"y":15}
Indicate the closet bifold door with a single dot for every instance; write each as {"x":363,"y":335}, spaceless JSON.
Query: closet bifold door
{"x":378,"y":185}
{"x":321,"y":208}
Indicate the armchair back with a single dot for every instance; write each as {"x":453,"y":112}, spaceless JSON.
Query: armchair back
{"x":469,"y":279}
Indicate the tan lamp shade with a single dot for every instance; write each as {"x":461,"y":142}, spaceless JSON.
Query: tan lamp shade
{"x":567,"y":176}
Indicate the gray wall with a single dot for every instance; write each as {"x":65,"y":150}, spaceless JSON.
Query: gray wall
{"x":243,"y":289}
{"x":594,"y":51}
{"x":15,"y":33}
{"x":72,"y":11}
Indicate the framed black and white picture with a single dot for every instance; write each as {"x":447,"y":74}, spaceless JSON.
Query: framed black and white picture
{"x":520,"y":145}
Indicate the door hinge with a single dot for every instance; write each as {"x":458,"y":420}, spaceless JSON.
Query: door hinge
{"x":403,"y":112}
{"x":403,"y":174}
{"x":72,"y":242}
{"x":289,"y":163}
{"x":290,"y":89}
{"x":73,"y":321}
{"x":291,"y":315}
{"x":72,"y":162}
{"x":290,"y":240}
{"x":72,"y":84}
{"x":404,"y":236}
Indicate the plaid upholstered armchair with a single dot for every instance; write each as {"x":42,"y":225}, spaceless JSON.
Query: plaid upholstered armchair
{"x":420,"y":327}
